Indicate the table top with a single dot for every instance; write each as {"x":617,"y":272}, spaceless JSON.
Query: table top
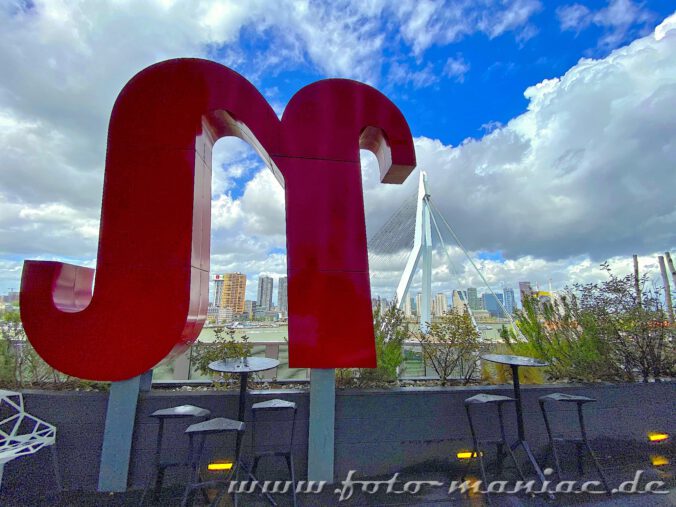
{"x":514,"y":360}
{"x":244,"y":365}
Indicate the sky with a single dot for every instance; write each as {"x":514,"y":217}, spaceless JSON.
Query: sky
{"x":546,"y":128}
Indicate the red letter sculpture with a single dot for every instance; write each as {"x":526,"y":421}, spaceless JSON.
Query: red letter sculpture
{"x":150,"y":292}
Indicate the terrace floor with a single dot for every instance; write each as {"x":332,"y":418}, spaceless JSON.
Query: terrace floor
{"x":621,"y":461}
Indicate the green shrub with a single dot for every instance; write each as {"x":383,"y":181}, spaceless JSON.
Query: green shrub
{"x":224,"y":346}
{"x":451,"y":347}
{"x":598,"y":331}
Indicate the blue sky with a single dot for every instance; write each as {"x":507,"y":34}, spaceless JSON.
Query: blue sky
{"x":546,"y":128}
{"x":498,"y":69}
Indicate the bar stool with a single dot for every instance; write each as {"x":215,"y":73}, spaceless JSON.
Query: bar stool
{"x":498,"y":401}
{"x":217,"y":426}
{"x":173,"y":413}
{"x":579,"y":442}
{"x":263,"y":407}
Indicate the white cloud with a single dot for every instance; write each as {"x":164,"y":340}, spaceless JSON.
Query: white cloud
{"x":618,"y":20}
{"x":456,"y":68}
{"x":586,"y":174}
{"x":427,"y":23}
{"x":583,"y":175}
{"x":263,"y":206}
{"x":402,"y":74}
{"x":665,"y":27}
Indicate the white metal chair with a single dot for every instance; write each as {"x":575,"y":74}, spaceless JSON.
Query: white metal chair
{"x":22,"y":434}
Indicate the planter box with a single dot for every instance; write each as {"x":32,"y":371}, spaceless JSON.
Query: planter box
{"x":377,"y":431}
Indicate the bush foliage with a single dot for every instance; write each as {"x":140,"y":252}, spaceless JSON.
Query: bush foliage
{"x":598,"y":331}
{"x":451,"y":346}
{"x":224,"y":346}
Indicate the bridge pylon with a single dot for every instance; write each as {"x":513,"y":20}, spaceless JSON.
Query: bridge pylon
{"x":421,"y":255}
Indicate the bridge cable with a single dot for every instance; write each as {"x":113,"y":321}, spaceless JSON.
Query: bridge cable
{"x":462,"y":247}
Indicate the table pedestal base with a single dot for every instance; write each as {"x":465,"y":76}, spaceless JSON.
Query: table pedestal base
{"x":534,"y":464}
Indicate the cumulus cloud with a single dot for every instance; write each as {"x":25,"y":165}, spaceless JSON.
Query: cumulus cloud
{"x":585,"y":169}
{"x":583,"y":175}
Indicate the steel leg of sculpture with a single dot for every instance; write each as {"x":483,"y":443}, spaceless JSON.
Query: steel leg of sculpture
{"x":322,"y":421}
{"x":118,"y":433}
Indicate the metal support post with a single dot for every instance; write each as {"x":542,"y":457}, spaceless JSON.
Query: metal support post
{"x":118,"y":432}
{"x":322,"y":424}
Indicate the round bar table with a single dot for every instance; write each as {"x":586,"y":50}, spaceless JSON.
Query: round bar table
{"x":515,"y":362}
{"x":243,"y":366}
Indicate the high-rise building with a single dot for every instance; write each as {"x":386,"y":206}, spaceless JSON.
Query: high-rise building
{"x":509,"y":300}
{"x":234,"y":289}
{"x":440,"y":304}
{"x":264,"y":296}
{"x":408,"y":307}
{"x":282,"y":295}
{"x":418,"y":303}
{"x":250,"y":308}
{"x":218,"y":290}
{"x":491,"y":304}
{"x":526,"y":290}
{"x":459,"y":302}
{"x":473,"y":299}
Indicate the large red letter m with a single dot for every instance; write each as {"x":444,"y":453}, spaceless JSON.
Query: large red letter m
{"x":149,"y":294}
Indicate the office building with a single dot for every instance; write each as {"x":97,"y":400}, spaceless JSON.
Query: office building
{"x":491,"y":304}
{"x":282,"y":295}
{"x":439,"y":304}
{"x":408,"y":307}
{"x":218,"y":289}
{"x":473,"y":299}
{"x":459,"y":302}
{"x":250,"y":308}
{"x":233,"y":292}
{"x":264,"y":296}
{"x":212,"y":313}
{"x":525,"y":290}
{"x":508,"y":301}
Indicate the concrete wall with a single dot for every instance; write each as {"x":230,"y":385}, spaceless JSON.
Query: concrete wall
{"x":377,"y":432}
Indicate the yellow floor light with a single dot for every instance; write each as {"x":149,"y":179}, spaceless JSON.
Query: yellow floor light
{"x":658,"y":461}
{"x":466,"y":455}
{"x":219,"y":466}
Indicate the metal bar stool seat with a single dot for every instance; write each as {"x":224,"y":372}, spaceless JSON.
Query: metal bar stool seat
{"x":217,"y":426}
{"x":498,"y":401}
{"x":275,"y":405}
{"x":579,"y":442}
{"x":172,"y":413}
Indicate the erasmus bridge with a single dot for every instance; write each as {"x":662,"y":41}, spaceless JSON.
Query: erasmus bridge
{"x":410,"y":242}
{"x":410,"y":253}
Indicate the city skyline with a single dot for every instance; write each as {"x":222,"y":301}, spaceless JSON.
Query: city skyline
{"x":500,"y":113}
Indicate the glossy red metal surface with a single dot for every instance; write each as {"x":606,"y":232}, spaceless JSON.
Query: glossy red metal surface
{"x":151,"y":282}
